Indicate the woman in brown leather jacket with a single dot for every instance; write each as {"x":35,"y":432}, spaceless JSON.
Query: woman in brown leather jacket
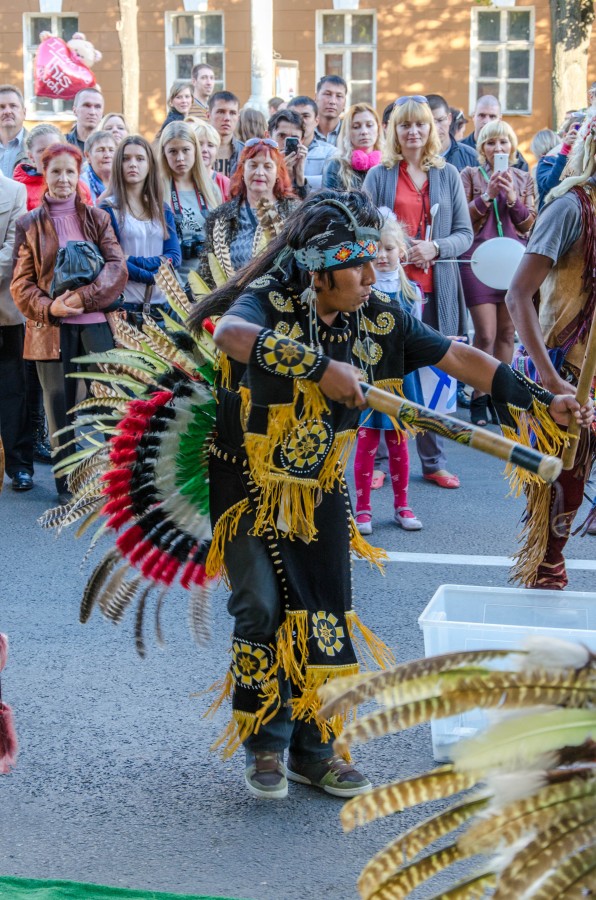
{"x":62,"y":328}
{"x":501,"y":204}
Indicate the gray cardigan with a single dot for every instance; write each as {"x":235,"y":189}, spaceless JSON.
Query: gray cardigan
{"x":452,"y":231}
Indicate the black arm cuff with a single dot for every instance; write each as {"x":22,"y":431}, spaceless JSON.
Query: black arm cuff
{"x":511,"y":388}
{"x":282,"y":356}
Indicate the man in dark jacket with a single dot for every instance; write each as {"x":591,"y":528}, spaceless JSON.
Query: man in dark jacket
{"x":488,"y":109}
{"x":88,"y":107}
{"x":459,"y":155}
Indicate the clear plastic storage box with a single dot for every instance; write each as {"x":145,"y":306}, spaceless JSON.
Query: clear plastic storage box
{"x":468,"y":617}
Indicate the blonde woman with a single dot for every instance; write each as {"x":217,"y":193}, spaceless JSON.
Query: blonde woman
{"x":188,"y":189}
{"x":358,"y":149}
{"x":501,"y":204}
{"x":179,"y":103}
{"x":115,"y":123}
{"x":209,"y":141}
{"x":411,"y":180}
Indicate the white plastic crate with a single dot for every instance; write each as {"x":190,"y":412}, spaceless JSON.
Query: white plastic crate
{"x":469,"y":617}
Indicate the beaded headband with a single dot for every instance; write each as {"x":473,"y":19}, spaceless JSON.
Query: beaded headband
{"x":340,"y":246}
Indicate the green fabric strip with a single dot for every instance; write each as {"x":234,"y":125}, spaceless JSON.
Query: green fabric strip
{"x":32,"y":889}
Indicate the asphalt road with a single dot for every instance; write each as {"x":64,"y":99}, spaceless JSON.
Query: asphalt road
{"x":115,"y":783}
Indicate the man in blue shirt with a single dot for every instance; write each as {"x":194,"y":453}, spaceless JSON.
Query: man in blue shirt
{"x":12,"y":133}
{"x":318,"y":152}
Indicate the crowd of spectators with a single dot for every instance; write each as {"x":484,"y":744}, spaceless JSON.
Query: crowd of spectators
{"x":215,"y":184}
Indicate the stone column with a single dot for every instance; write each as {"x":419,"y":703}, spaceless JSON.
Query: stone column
{"x":261,"y":54}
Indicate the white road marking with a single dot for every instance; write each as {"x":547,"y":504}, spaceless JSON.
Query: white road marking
{"x":455,"y":559}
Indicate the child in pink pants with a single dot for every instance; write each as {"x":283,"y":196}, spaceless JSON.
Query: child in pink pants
{"x":392,"y":280}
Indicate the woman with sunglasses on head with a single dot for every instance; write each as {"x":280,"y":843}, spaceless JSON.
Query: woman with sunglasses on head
{"x":262,"y":199}
{"x":411,"y":180}
{"x":358,"y":149}
{"x":188,"y":189}
{"x":144,"y":226}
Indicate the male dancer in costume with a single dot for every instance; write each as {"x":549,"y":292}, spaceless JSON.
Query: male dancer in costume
{"x":300,"y":329}
{"x":560,"y":261}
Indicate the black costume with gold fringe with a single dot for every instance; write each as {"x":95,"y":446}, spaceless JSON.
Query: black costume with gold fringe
{"x":279,"y":458}
{"x":163,"y":459}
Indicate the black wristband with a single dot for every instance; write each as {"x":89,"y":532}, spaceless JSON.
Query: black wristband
{"x":287,"y":358}
{"x":511,"y":388}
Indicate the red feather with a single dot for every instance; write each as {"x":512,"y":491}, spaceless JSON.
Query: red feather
{"x":118,"y":519}
{"x":130,"y":540}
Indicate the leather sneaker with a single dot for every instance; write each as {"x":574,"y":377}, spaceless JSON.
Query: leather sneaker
{"x":265,"y":775}
{"x":22,"y":481}
{"x":333,"y":775}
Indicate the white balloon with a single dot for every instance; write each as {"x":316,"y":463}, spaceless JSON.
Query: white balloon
{"x":495,"y":261}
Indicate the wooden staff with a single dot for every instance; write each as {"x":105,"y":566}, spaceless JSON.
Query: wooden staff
{"x":411,"y":414}
{"x":584,"y":385}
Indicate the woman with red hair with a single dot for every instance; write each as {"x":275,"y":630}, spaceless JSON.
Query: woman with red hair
{"x":61,"y":328}
{"x":262,"y":199}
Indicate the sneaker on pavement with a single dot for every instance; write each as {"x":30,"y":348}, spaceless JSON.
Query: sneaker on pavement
{"x":265,"y":775}
{"x":333,"y":775}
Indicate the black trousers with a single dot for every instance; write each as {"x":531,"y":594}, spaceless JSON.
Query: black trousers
{"x":15,"y":423}
{"x":61,"y":393}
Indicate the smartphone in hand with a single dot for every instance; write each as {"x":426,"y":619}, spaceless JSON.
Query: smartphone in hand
{"x":501,"y":162}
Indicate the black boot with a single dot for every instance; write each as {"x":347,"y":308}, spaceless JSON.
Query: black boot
{"x":42,"y":452}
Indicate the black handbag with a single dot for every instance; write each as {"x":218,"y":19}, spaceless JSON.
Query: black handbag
{"x":77,"y":264}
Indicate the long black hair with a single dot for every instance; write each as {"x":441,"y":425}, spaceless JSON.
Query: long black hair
{"x":311,"y":219}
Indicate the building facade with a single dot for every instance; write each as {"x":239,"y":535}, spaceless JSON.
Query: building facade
{"x":458,"y":48}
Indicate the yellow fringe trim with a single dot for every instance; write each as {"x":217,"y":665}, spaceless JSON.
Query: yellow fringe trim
{"x":534,"y":534}
{"x":548,"y":438}
{"x":291,"y":660}
{"x":369,"y":648}
{"x":287,"y":502}
{"x":223,"y":366}
{"x":292,"y":646}
{"x":376,"y":556}
{"x":224,"y":531}
{"x":306,"y":707}
{"x":315,"y":404}
{"x":245,"y":404}
{"x":243,"y":724}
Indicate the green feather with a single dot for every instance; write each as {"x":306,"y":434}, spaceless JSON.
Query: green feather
{"x":523,"y":738}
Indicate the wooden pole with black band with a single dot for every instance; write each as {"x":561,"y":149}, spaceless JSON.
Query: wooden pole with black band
{"x":408,"y":414}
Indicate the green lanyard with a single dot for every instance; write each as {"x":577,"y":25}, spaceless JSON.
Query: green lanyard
{"x":498,"y":217}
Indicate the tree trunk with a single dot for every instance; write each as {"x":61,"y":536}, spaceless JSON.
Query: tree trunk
{"x":571,"y":29}
{"x":129,"y":45}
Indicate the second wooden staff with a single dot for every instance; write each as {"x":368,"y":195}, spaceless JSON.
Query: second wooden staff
{"x":410,"y":414}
